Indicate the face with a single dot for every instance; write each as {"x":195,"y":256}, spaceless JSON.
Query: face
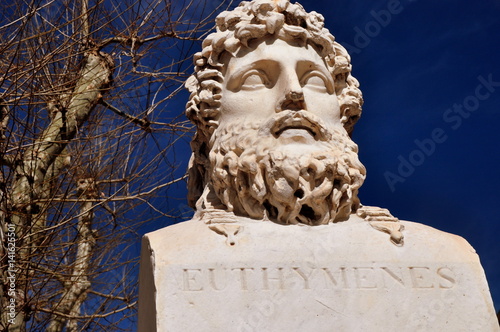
{"x":277,"y":79}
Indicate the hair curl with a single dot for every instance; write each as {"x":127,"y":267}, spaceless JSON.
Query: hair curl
{"x":254,"y":20}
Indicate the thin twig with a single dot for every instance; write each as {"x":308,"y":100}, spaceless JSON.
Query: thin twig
{"x":87,"y":316}
{"x":144,"y":124}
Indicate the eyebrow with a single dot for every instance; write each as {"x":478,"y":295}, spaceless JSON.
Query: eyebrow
{"x":321,"y":68}
{"x":240,"y":71}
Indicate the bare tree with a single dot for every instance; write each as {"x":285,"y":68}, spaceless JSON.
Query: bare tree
{"x":85,"y":135}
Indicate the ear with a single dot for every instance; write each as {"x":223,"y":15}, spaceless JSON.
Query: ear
{"x":195,"y":181}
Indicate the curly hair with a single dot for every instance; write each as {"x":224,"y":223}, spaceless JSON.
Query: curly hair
{"x":235,"y":29}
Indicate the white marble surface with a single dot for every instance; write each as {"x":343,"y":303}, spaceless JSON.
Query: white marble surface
{"x":336,"y":277}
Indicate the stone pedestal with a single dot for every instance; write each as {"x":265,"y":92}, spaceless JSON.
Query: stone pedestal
{"x":260,"y":276}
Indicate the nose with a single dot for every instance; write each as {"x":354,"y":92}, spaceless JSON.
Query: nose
{"x":293,"y":96}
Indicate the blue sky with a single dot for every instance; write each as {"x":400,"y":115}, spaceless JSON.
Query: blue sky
{"x":429,"y":132}
{"x":422,"y":70}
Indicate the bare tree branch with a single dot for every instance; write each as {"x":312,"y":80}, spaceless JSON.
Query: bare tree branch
{"x":77,"y":182}
{"x":144,"y":124}
{"x":89,"y":316}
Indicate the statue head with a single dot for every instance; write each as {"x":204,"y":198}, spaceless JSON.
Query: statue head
{"x":274,"y":105}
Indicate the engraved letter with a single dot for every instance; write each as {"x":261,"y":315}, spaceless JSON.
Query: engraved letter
{"x":365,"y":278}
{"x":332,"y":278}
{"x":266,"y":278}
{"x":211,"y":278}
{"x":192,"y":280}
{"x":304,"y":276}
{"x":399,"y":278}
{"x":243,"y":277}
{"x":446,"y":274}
{"x":420,"y":277}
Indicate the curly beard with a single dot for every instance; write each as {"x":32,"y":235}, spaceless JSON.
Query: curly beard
{"x":255,"y":176}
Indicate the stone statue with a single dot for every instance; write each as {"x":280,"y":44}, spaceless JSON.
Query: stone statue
{"x":275,"y":104}
{"x":274,"y":178}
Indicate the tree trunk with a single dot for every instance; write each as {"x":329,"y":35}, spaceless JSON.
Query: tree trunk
{"x":30,"y":174}
{"x":76,"y":287}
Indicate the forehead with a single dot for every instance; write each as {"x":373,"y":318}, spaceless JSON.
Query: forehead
{"x":274,"y":50}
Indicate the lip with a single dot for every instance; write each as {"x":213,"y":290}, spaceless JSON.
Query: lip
{"x":302,"y":120}
{"x":309,"y":130}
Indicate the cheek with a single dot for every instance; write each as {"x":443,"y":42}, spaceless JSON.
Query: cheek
{"x":324,"y":105}
{"x":233,"y":105}
{"x":243,"y":104}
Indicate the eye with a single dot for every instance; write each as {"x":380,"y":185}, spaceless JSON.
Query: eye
{"x":315,"y":80}
{"x":254,"y":79}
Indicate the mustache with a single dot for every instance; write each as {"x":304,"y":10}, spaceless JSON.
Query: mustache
{"x":290,"y":119}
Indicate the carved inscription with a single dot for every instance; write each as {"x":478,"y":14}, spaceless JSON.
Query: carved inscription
{"x":317,"y":278}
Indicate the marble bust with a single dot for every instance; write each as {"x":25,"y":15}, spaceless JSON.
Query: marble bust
{"x":275,"y":104}
{"x":279,"y":239}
